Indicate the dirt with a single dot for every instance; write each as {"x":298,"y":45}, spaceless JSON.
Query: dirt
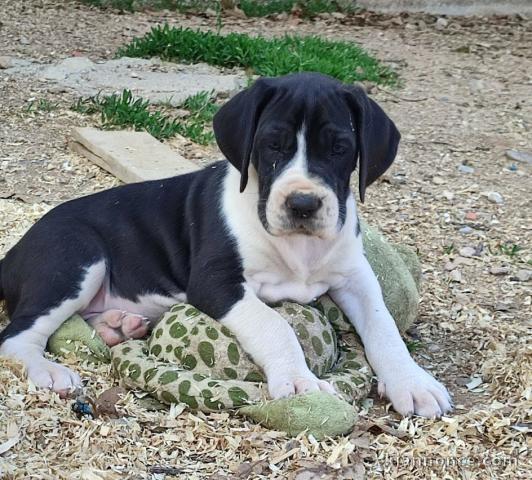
{"x":464,"y":99}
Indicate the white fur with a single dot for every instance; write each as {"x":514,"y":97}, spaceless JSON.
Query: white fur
{"x":408,"y":386}
{"x":275,"y":349}
{"x":28,"y":346}
{"x":300,"y":268}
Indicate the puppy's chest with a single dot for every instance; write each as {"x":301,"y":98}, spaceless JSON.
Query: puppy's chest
{"x":299,"y":272}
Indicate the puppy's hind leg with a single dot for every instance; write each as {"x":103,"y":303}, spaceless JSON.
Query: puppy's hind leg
{"x":32,"y":324}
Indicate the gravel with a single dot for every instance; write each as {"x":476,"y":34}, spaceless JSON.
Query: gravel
{"x":476,"y":318}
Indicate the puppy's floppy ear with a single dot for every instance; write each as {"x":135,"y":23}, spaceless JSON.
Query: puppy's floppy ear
{"x":377,"y":137}
{"x":236,"y":122}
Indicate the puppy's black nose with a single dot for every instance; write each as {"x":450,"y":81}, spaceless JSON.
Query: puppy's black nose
{"x":303,"y":205}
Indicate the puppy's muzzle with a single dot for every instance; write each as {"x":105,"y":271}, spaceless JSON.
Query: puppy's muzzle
{"x":302,"y":206}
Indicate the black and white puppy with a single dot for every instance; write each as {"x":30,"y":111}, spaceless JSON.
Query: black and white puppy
{"x":278,"y":221}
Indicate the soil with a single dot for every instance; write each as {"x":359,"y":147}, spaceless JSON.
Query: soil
{"x":465,"y":98}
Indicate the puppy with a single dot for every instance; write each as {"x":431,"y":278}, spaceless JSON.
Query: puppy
{"x":276,"y":222}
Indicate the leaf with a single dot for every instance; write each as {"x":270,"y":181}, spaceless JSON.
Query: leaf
{"x":474,"y":383}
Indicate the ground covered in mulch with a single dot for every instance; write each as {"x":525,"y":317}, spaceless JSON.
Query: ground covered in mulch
{"x":452,"y":193}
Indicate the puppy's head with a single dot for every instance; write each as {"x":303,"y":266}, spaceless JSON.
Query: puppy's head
{"x":304,"y":134}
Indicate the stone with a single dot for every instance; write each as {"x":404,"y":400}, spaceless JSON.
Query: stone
{"x":516,"y":155}
{"x":476,"y":85}
{"x":471,"y":216}
{"x":338,"y":15}
{"x":523,"y":275}
{"x":495,"y":197}
{"x":5,"y":62}
{"x":130,"y":156}
{"x":448,"y":195}
{"x":466,"y":169}
{"x":441,"y":23}
{"x":466,"y":230}
{"x":172,"y":86}
{"x":467,"y":252}
{"x":499,"y":271}
{"x":456,"y":276}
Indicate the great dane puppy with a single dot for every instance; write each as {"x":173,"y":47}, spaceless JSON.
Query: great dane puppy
{"x":276,"y":222}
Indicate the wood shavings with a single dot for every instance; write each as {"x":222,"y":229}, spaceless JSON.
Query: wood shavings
{"x":486,"y":436}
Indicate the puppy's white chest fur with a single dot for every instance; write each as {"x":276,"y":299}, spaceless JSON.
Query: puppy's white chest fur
{"x":291,"y":269}
{"x":296,"y":267}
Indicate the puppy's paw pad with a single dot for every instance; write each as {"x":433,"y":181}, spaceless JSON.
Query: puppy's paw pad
{"x":134,"y":326}
{"x":116,"y":326}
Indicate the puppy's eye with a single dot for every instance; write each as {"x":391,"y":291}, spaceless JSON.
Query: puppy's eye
{"x":338,"y":149}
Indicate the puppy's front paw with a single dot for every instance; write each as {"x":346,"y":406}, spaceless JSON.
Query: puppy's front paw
{"x":413,"y":391}
{"x":46,"y":374}
{"x":281,"y":386}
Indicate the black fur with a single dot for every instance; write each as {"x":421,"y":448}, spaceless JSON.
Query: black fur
{"x":162,"y":237}
{"x":259,"y":125}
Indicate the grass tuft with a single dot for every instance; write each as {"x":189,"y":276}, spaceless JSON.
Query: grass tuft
{"x":266,"y":57}
{"x":41,"y":105}
{"x":251,"y":8}
{"x":510,"y":249}
{"x":307,"y":8}
{"x":123,"y":110}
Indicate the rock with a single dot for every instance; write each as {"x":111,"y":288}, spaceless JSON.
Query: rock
{"x":523,"y":276}
{"x":467,"y":252}
{"x":456,"y":276}
{"x":338,"y":15}
{"x":448,"y":195}
{"x":499,"y":270}
{"x":438,"y":180}
{"x":449,"y":266}
{"x":5,"y":62}
{"x":441,"y":23}
{"x":517,"y":155}
{"x":466,"y":230}
{"x":495,"y":197}
{"x":471,"y":216}
{"x":466,"y":169}
{"x":476,"y":85}
{"x":398,"y":179}
{"x":24,"y":41}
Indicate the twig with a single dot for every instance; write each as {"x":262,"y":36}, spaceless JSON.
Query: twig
{"x":422,"y":99}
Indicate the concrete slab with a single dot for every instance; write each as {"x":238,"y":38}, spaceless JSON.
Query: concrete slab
{"x":152,"y":79}
{"x":129,"y":156}
{"x":450,"y":7}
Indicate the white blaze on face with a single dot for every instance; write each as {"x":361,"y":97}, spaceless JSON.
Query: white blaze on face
{"x":296,"y":179}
